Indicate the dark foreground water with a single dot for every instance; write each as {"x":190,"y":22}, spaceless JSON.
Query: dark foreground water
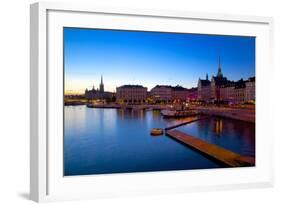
{"x":234,"y":135}
{"x":100,"y":141}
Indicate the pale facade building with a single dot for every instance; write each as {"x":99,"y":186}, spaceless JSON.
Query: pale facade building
{"x":192,"y":94}
{"x":161,"y":93}
{"x":234,"y":92}
{"x":204,"y":90}
{"x":250,"y":94}
{"x":228,"y":93}
{"x":179,"y":93}
{"x":132,"y":94}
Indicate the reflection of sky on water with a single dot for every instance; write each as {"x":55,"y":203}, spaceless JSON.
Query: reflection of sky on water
{"x":114,"y":140}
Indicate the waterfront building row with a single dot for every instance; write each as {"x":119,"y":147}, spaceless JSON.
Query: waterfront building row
{"x":167,"y":93}
{"x":219,"y":89}
{"x":158,"y":94}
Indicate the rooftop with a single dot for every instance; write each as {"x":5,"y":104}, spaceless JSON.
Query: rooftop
{"x":240,"y":84}
{"x":163,"y":86}
{"x":220,"y":80}
{"x":205,"y":82}
{"x":179,"y":88}
{"x":132,"y":86}
{"x":251,"y":79}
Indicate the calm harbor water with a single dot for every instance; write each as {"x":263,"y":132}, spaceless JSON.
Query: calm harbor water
{"x":101,"y":141}
{"x":234,"y":135}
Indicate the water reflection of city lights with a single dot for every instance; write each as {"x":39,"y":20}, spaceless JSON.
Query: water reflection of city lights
{"x":141,"y":114}
{"x":218,"y":127}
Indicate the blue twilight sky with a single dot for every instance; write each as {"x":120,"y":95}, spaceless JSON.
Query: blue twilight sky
{"x":151,"y":58}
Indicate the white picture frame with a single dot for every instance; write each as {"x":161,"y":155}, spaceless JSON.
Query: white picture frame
{"x":46,"y":179}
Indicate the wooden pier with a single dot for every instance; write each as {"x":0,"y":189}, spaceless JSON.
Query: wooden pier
{"x":224,"y":156}
{"x":193,"y":119}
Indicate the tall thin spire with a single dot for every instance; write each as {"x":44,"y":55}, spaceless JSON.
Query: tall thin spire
{"x":219,"y":74}
{"x":101,"y":85}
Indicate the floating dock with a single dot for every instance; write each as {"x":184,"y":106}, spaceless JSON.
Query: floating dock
{"x":224,"y":156}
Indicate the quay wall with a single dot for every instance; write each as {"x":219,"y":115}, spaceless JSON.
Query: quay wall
{"x":137,"y":107}
{"x":238,"y":114}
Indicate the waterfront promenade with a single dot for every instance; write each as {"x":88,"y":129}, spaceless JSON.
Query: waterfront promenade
{"x":243,"y":114}
{"x":238,"y":113}
{"x":125,"y":106}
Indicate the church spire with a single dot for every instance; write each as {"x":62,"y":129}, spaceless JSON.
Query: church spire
{"x":101,"y":85}
{"x":219,"y":74}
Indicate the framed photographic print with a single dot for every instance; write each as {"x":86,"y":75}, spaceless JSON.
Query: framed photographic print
{"x":129,"y":102}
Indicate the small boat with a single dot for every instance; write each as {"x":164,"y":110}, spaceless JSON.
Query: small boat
{"x":156,"y":131}
{"x":168,"y":113}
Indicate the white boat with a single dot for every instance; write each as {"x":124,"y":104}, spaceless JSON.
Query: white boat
{"x":168,"y":113}
{"x":181,"y":113}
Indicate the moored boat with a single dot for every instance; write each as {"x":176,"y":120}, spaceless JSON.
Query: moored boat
{"x":177,"y":113}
